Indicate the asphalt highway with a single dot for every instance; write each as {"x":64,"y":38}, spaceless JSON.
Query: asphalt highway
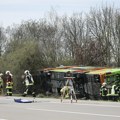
{"x":53,"y":109}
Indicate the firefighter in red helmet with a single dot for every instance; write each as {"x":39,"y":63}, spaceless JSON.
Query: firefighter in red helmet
{"x":9,"y":83}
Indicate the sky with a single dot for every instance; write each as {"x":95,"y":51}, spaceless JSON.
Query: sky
{"x":15,"y":11}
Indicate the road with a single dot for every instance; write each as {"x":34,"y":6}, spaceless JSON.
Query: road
{"x":53,"y":109}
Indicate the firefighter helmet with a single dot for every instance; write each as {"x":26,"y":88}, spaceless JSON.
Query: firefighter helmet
{"x":26,"y":72}
{"x":7,"y":72}
{"x":104,"y":84}
{"x":1,"y":74}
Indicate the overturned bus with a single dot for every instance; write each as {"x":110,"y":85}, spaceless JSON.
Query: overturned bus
{"x":88,"y":80}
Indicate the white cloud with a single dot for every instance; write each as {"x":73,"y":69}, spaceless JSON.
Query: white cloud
{"x":11,"y":1}
{"x":55,"y":2}
{"x":45,"y":1}
{"x":14,"y":11}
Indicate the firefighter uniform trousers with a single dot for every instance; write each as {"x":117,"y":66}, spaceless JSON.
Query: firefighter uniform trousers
{"x":29,"y":88}
{"x":1,"y":90}
{"x":9,"y":87}
{"x":1,"y":87}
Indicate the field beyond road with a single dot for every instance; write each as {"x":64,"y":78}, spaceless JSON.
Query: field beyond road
{"x":53,"y":109}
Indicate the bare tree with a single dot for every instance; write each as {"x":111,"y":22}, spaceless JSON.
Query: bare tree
{"x":74,"y":35}
{"x":101,"y":23}
{"x":2,"y":40}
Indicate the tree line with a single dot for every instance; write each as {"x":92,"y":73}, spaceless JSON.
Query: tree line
{"x":80,"y":39}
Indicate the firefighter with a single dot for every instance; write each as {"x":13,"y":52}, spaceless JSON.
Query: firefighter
{"x":117,"y":83}
{"x":117,"y":89}
{"x":9,"y":83}
{"x":103,"y":90}
{"x":65,"y":92}
{"x":29,"y":83}
{"x":1,"y":84}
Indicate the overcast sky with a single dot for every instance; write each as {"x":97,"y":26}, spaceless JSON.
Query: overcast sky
{"x":15,"y":11}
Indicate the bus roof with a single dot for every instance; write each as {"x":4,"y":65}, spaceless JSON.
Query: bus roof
{"x":86,"y":69}
{"x":106,"y":71}
{"x":62,"y":70}
{"x":72,"y":69}
{"x":75,"y":69}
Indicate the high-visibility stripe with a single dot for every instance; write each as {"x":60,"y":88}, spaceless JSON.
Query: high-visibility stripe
{"x":9,"y":92}
{"x":9,"y":87}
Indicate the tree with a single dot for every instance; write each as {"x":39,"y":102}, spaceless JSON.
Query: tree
{"x":2,"y":40}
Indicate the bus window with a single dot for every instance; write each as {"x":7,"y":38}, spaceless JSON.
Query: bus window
{"x":118,"y":77}
{"x":53,"y":76}
{"x":96,"y":78}
{"x":57,"y":75}
{"x":110,"y":79}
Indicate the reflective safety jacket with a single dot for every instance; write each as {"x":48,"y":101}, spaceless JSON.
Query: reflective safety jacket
{"x":103,"y":91}
{"x":1,"y":82}
{"x":29,"y":80}
{"x":9,"y":85}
